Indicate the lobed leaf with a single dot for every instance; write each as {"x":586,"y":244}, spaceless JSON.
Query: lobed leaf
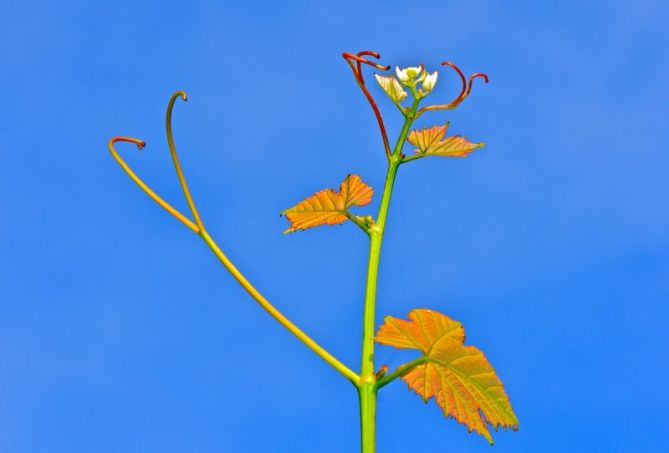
{"x":328,"y":207}
{"x":460,"y":378}
{"x":431,"y":141}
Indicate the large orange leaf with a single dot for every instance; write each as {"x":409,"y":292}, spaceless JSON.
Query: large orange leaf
{"x":460,"y":378}
{"x":431,"y":141}
{"x":328,"y":207}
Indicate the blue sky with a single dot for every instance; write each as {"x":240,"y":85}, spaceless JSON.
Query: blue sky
{"x":120,"y":332}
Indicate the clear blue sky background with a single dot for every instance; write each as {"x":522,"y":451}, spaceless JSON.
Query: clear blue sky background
{"x":119,"y":332}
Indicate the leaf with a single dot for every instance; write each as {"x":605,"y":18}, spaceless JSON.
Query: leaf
{"x":328,"y":207}
{"x":460,"y":378}
{"x":392,"y":87}
{"x":429,"y":142}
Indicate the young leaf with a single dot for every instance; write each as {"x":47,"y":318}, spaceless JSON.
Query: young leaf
{"x":328,"y":207}
{"x":460,"y":378}
{"x":392,"y":87}
{"x":429,"y":142}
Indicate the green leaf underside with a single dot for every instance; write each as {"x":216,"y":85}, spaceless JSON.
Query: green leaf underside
{"x":431,"y":141}
{"x":329,"y":207}
{"x":458,"y":377}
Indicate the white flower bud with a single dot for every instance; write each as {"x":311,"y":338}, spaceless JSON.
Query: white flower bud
{"x":430,"y":81}
{"x":408,"y":75}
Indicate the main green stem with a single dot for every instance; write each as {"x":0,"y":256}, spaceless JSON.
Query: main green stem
{"x":367,"y":388}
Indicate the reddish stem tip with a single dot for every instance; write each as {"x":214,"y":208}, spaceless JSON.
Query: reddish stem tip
{"x":474,"y":76}
{"x":371,"y":53}
{"x":140,"y":143}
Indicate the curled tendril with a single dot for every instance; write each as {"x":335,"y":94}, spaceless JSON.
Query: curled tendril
{"x":359,"y":78}
{"x":175,"y":158}
{"x":465,"y":89}
{"x":154,"y":196}
{"x":473,"y":76}
{"x":197,"y":226}
{"x":359,"y":59}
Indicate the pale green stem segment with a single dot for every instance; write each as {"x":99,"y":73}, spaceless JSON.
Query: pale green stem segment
{"x":198,"y":228}
{"x":368,"y":381}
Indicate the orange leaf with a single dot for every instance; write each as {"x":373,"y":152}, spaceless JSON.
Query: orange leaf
{"x":430,"y":141}
{"x":460,"y":378}
{"x":328,"y":207}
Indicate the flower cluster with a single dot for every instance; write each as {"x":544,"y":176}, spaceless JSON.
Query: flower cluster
{"x":416,"y":78}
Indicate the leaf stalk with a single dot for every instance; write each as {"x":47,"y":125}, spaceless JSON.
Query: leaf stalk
{"x":399,"y":372}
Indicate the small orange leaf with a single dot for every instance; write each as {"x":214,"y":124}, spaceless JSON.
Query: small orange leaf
{"x":460,"y":378}
{"x":430,"y":141}
{"x":328,"y":207}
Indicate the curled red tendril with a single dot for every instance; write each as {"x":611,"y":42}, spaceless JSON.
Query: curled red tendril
{"x":355,"y":62}
{"x":465,"y":89}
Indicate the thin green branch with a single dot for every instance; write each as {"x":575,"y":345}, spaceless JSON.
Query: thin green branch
{"x":276,"y":314}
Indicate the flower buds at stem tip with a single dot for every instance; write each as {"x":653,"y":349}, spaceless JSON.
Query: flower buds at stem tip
{"x":430,"y":81}
{"x":408,"y":75}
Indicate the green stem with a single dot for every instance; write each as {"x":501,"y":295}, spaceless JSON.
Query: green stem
{"x":368,"y":381}
{"x":367,"y":394}
{"x":367,"y":388}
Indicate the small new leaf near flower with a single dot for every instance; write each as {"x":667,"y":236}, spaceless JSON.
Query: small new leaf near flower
{"x":460,"y":378}
{"x":392,"y":87}
{"x":431,"y":141}
{"x":328,"y":207}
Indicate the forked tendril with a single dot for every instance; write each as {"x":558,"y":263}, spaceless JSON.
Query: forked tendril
{"x":466,"y":88}
{"x":197,"y":226}
{"x":360,"y":79}
{"x":154,"y":196}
